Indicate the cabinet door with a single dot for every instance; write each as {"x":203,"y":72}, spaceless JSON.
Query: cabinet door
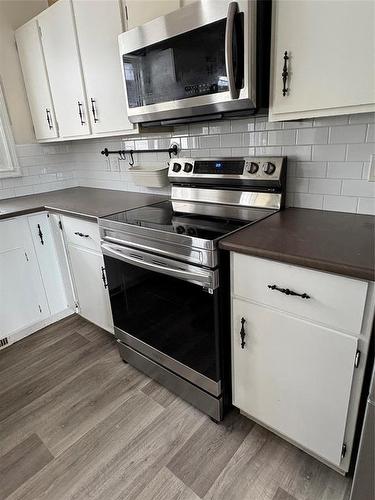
{"x":36,"y":81}
{"x":59,"y":41}
{"x":93,"y":298}
{"x":98,"y":44}
{"x":22,"y":296}
{"x":139,"y":12}
{"x":331,"y":62}
{"x":48,"y":261}
{"x":293,"y":376}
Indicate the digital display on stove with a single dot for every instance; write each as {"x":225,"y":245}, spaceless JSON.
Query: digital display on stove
{"x":225,"y":167}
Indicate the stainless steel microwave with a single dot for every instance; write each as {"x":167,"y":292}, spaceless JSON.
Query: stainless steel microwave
{"x":205,"y":60}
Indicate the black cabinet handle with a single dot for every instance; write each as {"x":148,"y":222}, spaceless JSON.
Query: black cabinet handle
{"x":94,"y":110}
{"x":289,"y":292}
{"x":103,"y":278}
{"x":82,"y":235}
{"x":80,"y":113}
{"x":242,"y":333}
{"x":285,"y":74}
{"x":49,"y":119}
{"x":40,"y":234}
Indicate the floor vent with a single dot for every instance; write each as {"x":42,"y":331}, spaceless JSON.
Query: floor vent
{"x":3,"y":342}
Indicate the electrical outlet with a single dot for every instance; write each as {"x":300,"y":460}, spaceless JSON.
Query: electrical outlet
{"x":371,"y":170}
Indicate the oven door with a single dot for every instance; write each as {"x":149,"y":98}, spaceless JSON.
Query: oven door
{"x":196,"y":60}
{"x":168,"y":311}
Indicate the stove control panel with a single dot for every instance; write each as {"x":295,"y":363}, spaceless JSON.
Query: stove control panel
{"x":251,"y":168}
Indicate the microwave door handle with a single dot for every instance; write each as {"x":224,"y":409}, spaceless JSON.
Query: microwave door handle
{"x":203,"y":279}
{"x":229,"y":32}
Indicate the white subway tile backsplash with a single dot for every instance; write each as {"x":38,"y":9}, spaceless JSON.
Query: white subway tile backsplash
{"x":362,"y":118}
{"x":358,"y":188}
{"x":310,"y":169}
{"x":305,"y":200}
{"x":281,"y":137}
{"x":231,"y":140}
{"x":348,"y":134}
{"x":329,"y":152}
{"x":330,"y":176}
{"x":370,"y":137}
{"x":340,"y":203}
{"x":366,"y":206}
{"x":209,"y":141}
{"x":360,"y":152}
{"x":297,"y":153}
{"x":345,"y":169}
{"x":219,"y":127}
{"x":325,"y":186}
{"x":324,"y":121}
{"x":243,"y":125}
{"x":316,"y":135}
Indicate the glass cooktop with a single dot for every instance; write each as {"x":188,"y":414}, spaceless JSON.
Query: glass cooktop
{"x":206,"y":221}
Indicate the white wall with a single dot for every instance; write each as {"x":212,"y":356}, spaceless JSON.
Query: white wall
{"x":13,"y":14}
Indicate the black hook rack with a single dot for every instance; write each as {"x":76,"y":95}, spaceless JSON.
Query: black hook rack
{"x":172,"y":150}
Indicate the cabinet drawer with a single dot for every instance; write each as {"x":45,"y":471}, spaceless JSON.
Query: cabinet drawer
{"x":333,"y":300}
{"x":82,"y":233}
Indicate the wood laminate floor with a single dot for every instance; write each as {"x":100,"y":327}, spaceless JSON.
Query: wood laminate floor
{"x":78,"y":423}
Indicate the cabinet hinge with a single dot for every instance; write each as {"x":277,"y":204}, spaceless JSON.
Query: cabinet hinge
{"x":40,"y":309}
{"x":343,"y":451}
{"x":357,"y":358}
{"x":126,"y":13}
{"x":76,"y":305}
{"x":60,"y":225}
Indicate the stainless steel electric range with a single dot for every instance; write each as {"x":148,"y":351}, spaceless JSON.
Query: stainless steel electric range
{"x":168,"y":282}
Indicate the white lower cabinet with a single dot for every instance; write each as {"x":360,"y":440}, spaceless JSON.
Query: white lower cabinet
{"x":87,"y":270}
{"x":91,"y":288}
{"x":293,"y":376}
{"x":290,"y":372}
{"x":32,"y":289}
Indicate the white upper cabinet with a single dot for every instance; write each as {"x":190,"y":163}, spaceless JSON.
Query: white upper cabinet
{"x":98,"y":26}
{"x":63,"y":63}
{"x":331,"y":65}
{"x":141,"y":11}
{"x":36,"y":81}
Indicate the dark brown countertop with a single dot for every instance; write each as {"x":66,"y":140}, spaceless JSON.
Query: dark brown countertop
{"x":80,"y":201}
{"x":336,"y":242}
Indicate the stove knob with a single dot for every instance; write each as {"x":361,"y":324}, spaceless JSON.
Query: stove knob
{"x":176,"y":167}
{"x":188,"y":167}
{"x":252,"y":168}
{"x":269,"y":168}
{"x":180,"y":229}
{"x":191,"y":231}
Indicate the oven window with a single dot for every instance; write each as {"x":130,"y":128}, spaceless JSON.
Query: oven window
{"x":175,"y":317}
{"x":184,"y":66}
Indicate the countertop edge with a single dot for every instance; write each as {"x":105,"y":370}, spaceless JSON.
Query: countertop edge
{"x":318,"y":265}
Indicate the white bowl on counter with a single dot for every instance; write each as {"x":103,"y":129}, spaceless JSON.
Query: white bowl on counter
{"x":154,"y":176}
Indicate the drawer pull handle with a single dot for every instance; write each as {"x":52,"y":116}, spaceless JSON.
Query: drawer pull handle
{"x":289,"y":292}
{"x":242,"y":333}
{"x":82,"y":235}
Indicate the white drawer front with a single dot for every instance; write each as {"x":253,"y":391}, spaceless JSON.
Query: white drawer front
{"x":335,"y":301}
{"x":82,"y":233}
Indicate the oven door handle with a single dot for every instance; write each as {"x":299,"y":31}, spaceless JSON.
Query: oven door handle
{"x":205,"y":279}
{"x":229,"y":32}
